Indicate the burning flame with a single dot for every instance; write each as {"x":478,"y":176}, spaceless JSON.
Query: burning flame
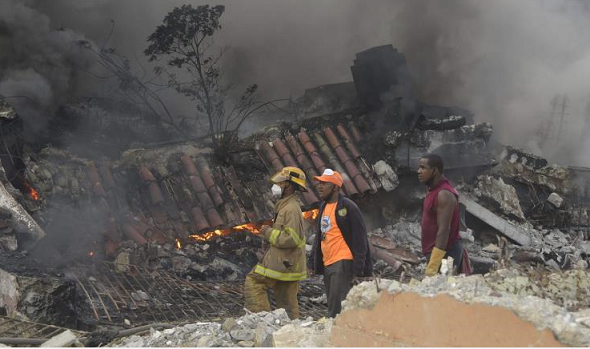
{"x":209,"y":235}
{"x":311,"y":215}
{"x":253,"y":228}
{"x":90,"y":254}
{"x":178,"y":244}
{"x":33,"y":194}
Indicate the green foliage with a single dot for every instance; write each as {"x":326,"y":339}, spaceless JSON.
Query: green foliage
{"x":185,"y":42}
{"x":182,"y":32}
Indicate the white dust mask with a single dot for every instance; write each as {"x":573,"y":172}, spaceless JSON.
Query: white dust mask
{"x":276,"y":191}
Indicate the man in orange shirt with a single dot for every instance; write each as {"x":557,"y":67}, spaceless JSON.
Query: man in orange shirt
{"x":341,"y":248}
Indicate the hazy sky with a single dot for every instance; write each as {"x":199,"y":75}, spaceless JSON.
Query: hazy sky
{"x":502,"y":59}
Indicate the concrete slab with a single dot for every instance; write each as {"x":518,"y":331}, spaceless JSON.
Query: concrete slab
{"x":506,"y":228}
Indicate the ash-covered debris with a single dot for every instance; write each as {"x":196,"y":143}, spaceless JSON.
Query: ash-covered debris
{"x":228,"y":257}
{"x":499,"y":194}
{"x":31,"y":291}
{"x":264,"y":329}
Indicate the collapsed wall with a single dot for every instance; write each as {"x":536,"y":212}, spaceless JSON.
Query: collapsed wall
{"x":458,"y":311}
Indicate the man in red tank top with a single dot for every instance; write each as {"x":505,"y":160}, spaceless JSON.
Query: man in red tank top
{"x":440,"y":215}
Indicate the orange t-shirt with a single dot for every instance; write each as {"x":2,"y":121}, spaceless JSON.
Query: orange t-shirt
{"x":334,"y":248}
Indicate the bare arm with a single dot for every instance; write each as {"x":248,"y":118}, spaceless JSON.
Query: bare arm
{"x":444,"y":214}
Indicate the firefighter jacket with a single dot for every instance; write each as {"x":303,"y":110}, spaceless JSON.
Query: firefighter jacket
{"x":285,"y":259}
{"x":349,"y":220}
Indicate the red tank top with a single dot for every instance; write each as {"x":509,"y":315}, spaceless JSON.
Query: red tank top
{"x":429,"y":224}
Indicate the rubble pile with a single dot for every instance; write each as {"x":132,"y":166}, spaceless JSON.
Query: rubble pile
{"x":262,"y":329}
{"x":228,"y":257}
{"x":518,"y":292}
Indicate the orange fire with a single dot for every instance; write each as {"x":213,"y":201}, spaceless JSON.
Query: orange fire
{"x":33,"y":194}
{"x":253,"y":228}
{"x":90,"y":254}
{"x":311,"y":215}
{"x":209,"y":235}
{"x":178,"y":244}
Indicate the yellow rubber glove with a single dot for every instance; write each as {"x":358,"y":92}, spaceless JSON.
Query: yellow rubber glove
{"x":435,"y":261}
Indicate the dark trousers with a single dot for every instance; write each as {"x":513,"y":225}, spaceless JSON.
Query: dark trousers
{"x":456,"y":251}
{"x":338,"y":280}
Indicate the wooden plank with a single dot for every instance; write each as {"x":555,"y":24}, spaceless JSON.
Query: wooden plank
{"x":506,"y":228}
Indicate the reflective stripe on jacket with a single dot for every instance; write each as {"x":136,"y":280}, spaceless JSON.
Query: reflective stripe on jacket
{"x":285,"y":259}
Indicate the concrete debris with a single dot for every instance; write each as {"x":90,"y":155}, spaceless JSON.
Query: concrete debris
{"x":327,"y":99}
{"x":500,"y":194}
{"x":64,"y":339}
{"x":307,"y":334}
{"x":467,"y":235}
{"x":569,"y":289}
{"x":553,"y":178}
{"x":22,"y":220}
{"x":518,"y":293}
{"x":386,"y":175}
{"x":252,"y":330}
{"x":514,"y":155}
{"x":491,"y":248}
{"x":468,"y":142}
{"x":555,"y":200}
{"x":9,"y":293}
{"x":501,"y":225}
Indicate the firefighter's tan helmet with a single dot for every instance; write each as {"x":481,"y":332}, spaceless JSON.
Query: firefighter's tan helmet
{"x":290,"y":173}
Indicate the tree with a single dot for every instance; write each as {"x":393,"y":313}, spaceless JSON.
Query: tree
{"x":134,"y":88}
{"x":184,"y":40}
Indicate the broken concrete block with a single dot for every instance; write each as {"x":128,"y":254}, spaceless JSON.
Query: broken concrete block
{"x":64,"y":339}
{"x":467,"y":235}
{"x":21,"y":220}
{"x":205,"y":341}
{"x":555,"y":200}
{"x":8,"y":242}
{"x":242,"y":335}
{"x":262,"y":334}
{"x":229,"y":324}
{"x":515,"y":155}
{"x":501,"y":225}
{"x":499,"y":194}
{"x":326,"y":99}
{"x":491,"y":248}
{"x":387,"y":177}
{"x":292,"y":335}
{"x":9,"y":295}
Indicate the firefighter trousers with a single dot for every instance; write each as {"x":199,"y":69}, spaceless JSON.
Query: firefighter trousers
{"x":256,"y":294}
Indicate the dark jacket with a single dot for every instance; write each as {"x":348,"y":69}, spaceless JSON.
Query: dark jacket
{"x":350,"y":222}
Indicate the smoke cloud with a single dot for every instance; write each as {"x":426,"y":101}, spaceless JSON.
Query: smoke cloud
{"x":40,"y":66}
{"x":504,"y":60}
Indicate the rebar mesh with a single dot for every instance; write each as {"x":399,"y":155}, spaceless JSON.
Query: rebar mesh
{"x":121,"y":291}
{"x":13,"y":328}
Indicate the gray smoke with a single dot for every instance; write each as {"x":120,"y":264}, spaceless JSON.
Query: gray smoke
{"x":40,"y":65}
{"x":504,"y":60}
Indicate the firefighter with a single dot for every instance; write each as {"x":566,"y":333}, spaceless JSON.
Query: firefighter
{"x":283,"y":264}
